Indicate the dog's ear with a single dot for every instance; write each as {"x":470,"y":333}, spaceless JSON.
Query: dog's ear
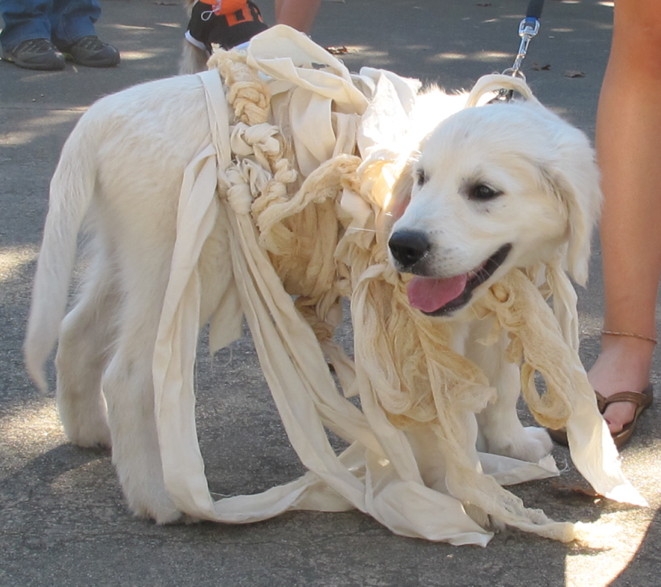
{"x":401,"y":191}
{"x":401,"y":194}
{"x":575,"y":181}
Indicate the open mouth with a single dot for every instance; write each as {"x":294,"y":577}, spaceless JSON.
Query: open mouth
{"x":440,"y":297}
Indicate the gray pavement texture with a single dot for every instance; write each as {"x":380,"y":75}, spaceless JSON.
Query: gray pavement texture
{"x":62,"y":517}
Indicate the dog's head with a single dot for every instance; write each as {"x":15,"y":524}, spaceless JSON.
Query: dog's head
{"x":493,"y":188}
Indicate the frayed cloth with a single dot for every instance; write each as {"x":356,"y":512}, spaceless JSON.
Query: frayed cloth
{"x":299,"y":174}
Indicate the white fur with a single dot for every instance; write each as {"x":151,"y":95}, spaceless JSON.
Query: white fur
{"x":119,"y":176}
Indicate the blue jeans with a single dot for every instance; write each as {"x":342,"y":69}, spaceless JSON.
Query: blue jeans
{"x":61,"y":21}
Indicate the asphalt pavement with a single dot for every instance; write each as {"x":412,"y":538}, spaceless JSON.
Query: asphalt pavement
{"x":62,"y":516}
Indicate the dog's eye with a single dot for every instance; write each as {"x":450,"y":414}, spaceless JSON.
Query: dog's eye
{"x":420,"y":177}
{"x":482,"y":191}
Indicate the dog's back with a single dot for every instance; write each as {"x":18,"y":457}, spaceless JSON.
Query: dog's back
{"x":156,"y":127}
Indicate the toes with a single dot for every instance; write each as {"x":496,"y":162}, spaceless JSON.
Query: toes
{"x":617,"y":417}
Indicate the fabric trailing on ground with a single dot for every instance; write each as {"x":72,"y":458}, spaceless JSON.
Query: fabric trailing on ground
{"x":300,"y":172}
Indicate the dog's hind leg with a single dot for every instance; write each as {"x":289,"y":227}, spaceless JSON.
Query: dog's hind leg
{"x":129,"y":391}
{"x":82,"y":354}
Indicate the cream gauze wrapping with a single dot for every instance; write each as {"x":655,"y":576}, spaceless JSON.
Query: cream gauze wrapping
{"x":299,"y":172}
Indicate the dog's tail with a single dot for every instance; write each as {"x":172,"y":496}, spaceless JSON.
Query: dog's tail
{"x":71,"y":192}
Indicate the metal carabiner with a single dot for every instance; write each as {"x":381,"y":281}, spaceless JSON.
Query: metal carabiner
{"x":528,"y":29}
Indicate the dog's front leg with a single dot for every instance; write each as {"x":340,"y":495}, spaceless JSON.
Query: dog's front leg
{"x":500,"y":430}
{"x":432,"y":462}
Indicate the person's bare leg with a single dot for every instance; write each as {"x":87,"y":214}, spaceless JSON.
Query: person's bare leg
{"x":299,"y":14}
{"x":628,"y":147}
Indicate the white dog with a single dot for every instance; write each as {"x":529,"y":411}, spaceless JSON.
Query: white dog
{"x":494,"y":187}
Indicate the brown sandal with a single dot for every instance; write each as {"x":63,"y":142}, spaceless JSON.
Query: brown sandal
{"x":642,"y":400}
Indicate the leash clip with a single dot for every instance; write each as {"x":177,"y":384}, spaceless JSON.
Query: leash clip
{"x":528,"y":29}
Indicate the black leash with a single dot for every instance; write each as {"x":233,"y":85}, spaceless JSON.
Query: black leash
{"x":535,"y":8}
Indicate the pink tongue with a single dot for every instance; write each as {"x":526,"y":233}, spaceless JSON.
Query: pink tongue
{"x":428,"y":294}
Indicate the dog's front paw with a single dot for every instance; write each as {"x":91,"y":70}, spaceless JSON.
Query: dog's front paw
{"x":530,"y":444}
{"x":157,"y":508}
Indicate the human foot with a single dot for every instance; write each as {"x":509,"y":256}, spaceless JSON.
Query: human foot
{"x":623,"y":365}
{"x":35,"y":54}
{"x":640,"y":400}
{"x":91,"y":52}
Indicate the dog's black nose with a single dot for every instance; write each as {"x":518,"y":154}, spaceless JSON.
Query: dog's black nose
{"x":408,"y":246}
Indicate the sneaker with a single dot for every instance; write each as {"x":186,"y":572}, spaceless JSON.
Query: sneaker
{"x":35,"y":54}
{"x":91,"y":52}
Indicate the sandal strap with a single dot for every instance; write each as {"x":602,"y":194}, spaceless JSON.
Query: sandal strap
{"x":641,"y":399}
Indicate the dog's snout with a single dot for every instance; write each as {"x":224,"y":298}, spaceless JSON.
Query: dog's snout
{"x":408,"y":246}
